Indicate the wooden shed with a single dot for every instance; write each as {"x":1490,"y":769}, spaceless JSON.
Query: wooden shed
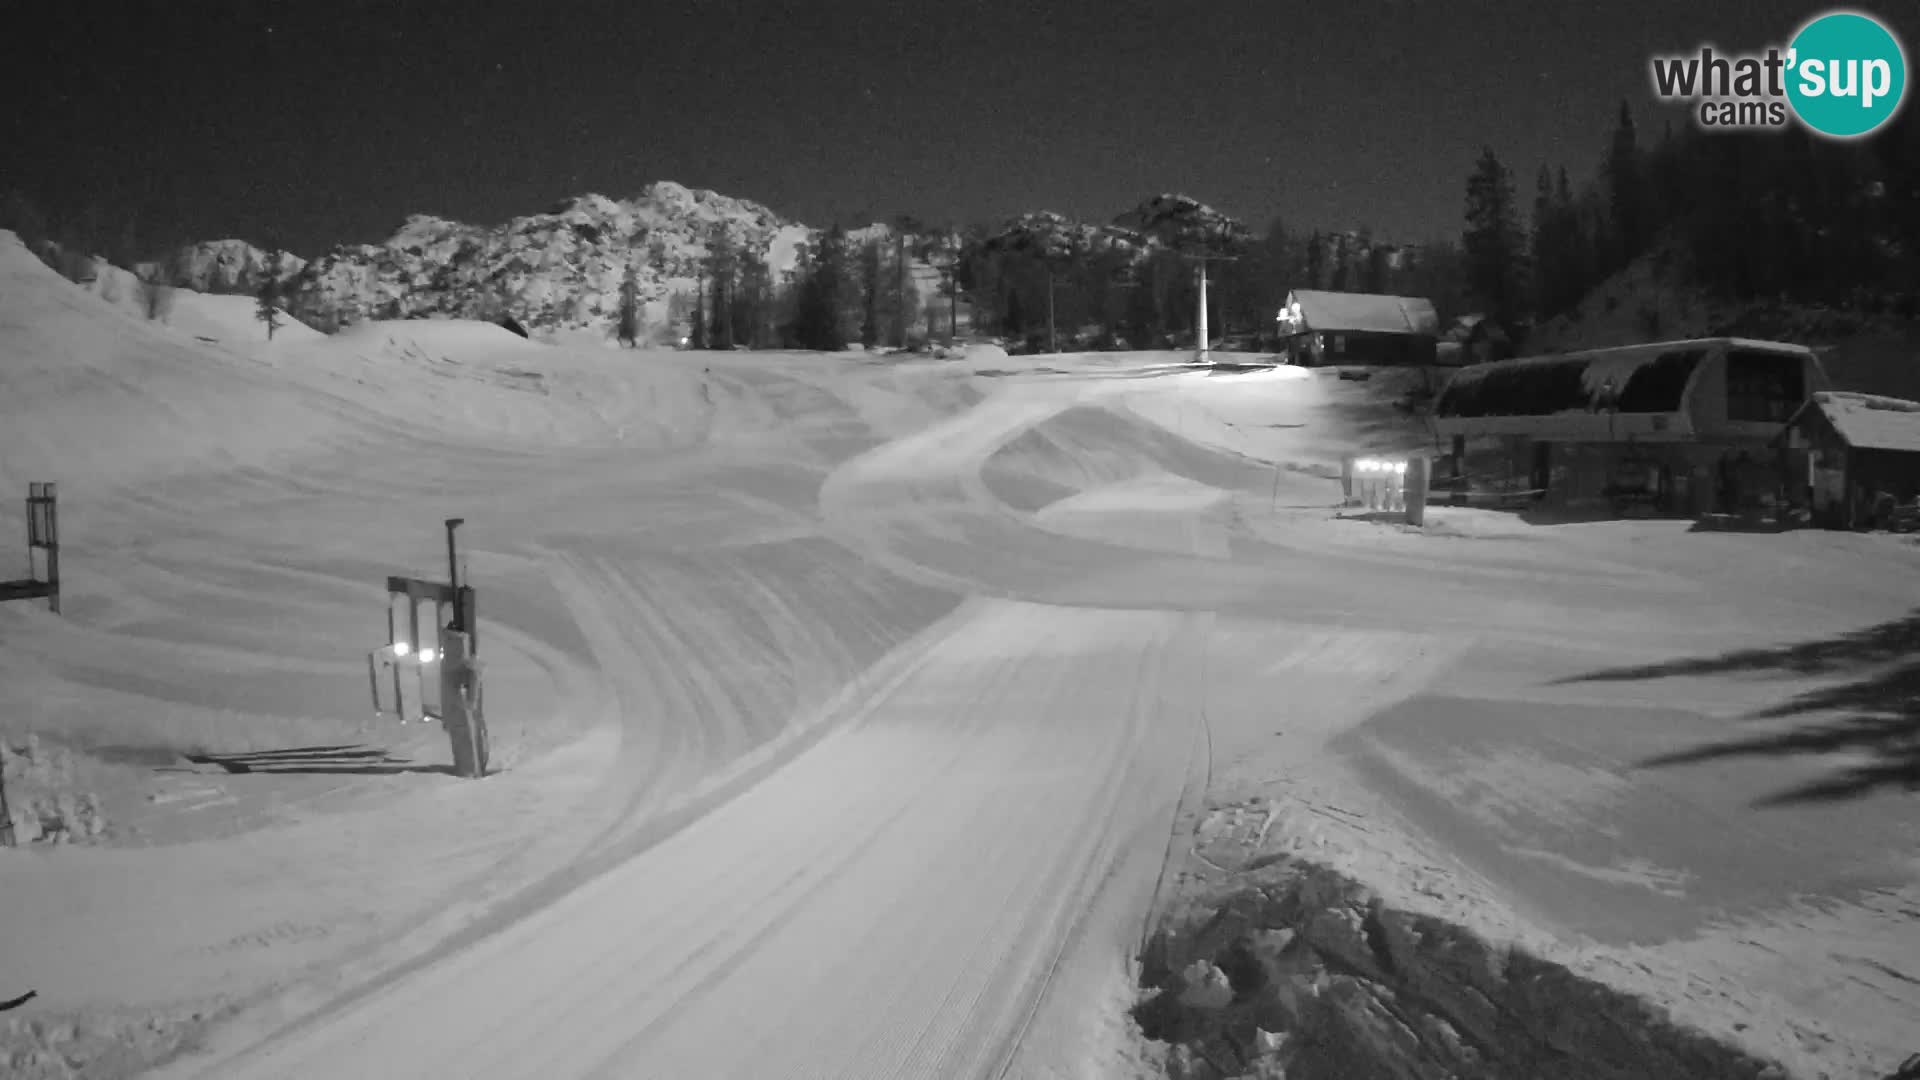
{"x":1861,"y":453}
{"x":1318,"y":328}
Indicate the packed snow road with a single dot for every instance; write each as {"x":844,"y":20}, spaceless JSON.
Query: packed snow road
{"x":894,"y":900}
{"x":888,"y":904}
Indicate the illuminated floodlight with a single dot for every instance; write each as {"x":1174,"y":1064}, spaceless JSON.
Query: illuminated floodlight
{"x":1399,"y":466}
{"x":427,"y":656}
{"x":401,"y":648}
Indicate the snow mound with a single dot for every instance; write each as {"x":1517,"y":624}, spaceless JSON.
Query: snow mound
{"x":42,"y":801}
{"x":984,"y":357}
{"x":95,"y":395}
{"x":1300,"y":971}
{"x":220,"y":319}
{"x":446,"y":334}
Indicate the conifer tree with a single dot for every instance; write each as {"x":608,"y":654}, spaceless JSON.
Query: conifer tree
{"x":1493,"y":241}
{"x":270,"y":295}
{"x":822,"y":295}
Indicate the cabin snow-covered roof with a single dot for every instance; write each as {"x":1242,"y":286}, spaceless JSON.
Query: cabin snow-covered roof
{"x":1869,"y":421}
{"x":1362,"y":313}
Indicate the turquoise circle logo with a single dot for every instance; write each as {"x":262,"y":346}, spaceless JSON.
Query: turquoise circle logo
{"x":1848,"y":74}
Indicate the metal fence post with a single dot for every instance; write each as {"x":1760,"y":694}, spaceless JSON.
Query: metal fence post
{"x":53,"y":549}
{"x":6,"y":815}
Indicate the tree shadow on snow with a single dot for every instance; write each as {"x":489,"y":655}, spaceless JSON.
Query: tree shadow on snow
{"x":310,"y":760}
{"x":1873,"y":715}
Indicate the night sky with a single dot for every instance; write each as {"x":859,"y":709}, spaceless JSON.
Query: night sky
{"x":326,"y":122}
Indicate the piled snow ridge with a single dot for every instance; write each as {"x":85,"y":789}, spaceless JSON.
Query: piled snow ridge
{"x":1878,"y":402}
{"x":44,"y":806}
{"x":1299,"y":971}
{"x":97,"y":395}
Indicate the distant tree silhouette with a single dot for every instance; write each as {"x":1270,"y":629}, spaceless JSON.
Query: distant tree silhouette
{"x":1317,"y":275}
{"x":870,"y":294}
{"x":822,"y":295}
{"x":1626,"y":192}
{"x":1377,"y":275}
{"x":753,"y":301}
{"x":20,"y":214}
{"x":723,"y":266}
{"x":267,"y":308}
{"x":1493,"y":241}
{"x":697,"y":334}
{"x":157,"y":281}
{"x":629,"y":325}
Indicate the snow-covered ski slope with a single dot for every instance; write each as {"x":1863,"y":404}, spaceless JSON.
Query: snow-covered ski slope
{"x":850,"y":709}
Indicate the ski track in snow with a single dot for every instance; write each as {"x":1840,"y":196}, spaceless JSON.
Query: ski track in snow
{"x":895,"y":897}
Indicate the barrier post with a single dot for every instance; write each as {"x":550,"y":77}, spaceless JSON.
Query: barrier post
{"x":1417,"y":484}
{"x":1458,"y":486}
{"x":460,"y":705}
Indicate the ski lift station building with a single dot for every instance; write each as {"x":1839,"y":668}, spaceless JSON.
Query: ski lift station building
{"x":1692,"y":425}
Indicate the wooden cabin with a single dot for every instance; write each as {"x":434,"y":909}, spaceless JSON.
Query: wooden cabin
{"x":1327,"y":328}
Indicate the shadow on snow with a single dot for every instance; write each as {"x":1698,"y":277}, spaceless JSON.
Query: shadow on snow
{"x":357,"y":760}
{"x":1874,"y":712}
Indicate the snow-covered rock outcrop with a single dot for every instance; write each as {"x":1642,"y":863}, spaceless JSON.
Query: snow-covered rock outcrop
{"x":561,"y":269}
{"x":230,"y":266}
{"x":1185,"y":223}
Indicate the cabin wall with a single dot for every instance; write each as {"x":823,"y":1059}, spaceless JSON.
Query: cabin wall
{"x":1361,"y":348}
{"x":1683,"y":479}
{"x":1895,"y":472}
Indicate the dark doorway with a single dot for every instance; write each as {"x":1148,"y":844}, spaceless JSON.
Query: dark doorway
{"x":1542,"y":472}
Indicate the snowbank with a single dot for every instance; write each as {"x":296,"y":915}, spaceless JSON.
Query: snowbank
{"x":92,"y":394}
{"x":1301,"y":971}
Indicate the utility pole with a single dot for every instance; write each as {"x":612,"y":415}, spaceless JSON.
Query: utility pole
{"x":6,"y":815}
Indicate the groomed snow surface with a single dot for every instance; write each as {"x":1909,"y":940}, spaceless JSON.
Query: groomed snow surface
{"x":863,"y":718}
